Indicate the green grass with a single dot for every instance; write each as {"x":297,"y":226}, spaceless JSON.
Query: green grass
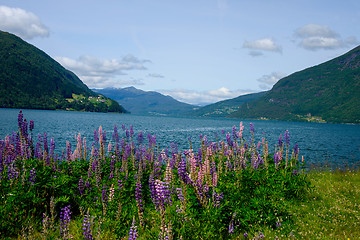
{"x":331,"y":211}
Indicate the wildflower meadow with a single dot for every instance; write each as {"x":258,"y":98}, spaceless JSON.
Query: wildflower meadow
{"x":124,"y":187}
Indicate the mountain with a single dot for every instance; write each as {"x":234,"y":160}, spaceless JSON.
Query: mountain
{"x":29,"y":78}
{"x":327,"y":92}
{"x":226,"y":107}
{"x":146,"y":102}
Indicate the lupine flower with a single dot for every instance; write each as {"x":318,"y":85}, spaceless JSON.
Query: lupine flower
{"x":31,"y":125}
{"x":81,"y":186}
{"x":235,"y":135}
{"x":65,"y":218}
{"x":287,"y":137}
{"x":87,"y":226}
{"x":140,"y":138}
{"x":104,"y":195}
{"x":133,"y":230}
{"x":296,"y":149}
{"x":32,"y":177}
{"x":278,"y":224}
{"x":46,"y":149}
{"x":20,"y":119}
{"x":252,"y":129}
{"x":217,"y":197}
{"x":68,"y":151}
{"x":180,"y":194}
{"x":294,"y":172}
{"x":280,"y":141}
{"x":228,"y":139}
{"x":246,"y":235}
{"x":96,"y":137}
{"x":138,"y":196}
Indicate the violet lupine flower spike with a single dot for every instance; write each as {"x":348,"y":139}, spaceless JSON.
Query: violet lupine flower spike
{"x":65,"y":218}
{"x":81,"y":186}
{"x":133,"y":230}
{"x":287,"y":138}
{"x":87,"y":225}
{"x":32,"y":177}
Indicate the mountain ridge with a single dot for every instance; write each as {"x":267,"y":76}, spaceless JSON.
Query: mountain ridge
{"x":327,"y":92}
{"x":146,"y":102}
{"x":29,"y":78}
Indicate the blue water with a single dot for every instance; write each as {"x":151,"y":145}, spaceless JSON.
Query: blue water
{"x":321,"y":144}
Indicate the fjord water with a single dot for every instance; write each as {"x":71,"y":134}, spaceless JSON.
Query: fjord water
{"x":335,"y":144}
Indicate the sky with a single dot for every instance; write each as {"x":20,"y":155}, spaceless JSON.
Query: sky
{"x":197,"y":51}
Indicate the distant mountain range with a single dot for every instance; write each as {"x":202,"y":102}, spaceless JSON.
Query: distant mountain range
{"x":226,"y":107}
{"x":29,"y":78}
{"x":138,"y":101}
{"x":327,"y":92}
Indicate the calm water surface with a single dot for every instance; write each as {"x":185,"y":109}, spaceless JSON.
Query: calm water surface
{"x":320,"y":144}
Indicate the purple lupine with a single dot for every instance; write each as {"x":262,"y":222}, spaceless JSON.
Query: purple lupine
{"x":252,"y":129}
{"x":104,"y":195}
{"x":81,"y":186}
{"x":296,"y":149}
{"x":295,"y":172}
{"x":24,"y":128}
{"x":87,"y":184}
{"x":140,"y":137}
{"x":131,"y":131}
{"x":20,"y":119}
{"x":180,"y":194}
{"x":32,"y":177}
{"x":96,"y":136}
{"x":278,"y":224}
{"x":133,"y":230}
{"x":246,"y":235}
{"x":138,"y":196}
{"x":228,"y":139}
{"x":31,"y":125}
{"x":87,"y":225}
{"x":217,"y":197}
{"x":127,"y":133}
{"x":120,"y":185}
{"x":46,"y":149}
{"x":287,"y":137}
{"x":65,"y":218}
{"x":231,"y":227}
{"x":116,"y":134}
{"x":235,"y":136}
{"x":280,"y":141}
{"x":149,"y":139}
{"x":68,"y":151}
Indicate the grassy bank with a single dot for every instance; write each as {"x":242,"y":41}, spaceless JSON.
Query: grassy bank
{"x":124,"y":187}
{"x":331,"y":210}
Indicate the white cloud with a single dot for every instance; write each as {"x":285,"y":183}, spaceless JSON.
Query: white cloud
{"x":204,"y":97}
{"x":314,"y":37}
{"x":267,"y":81}
{"x":22,"y":23}
{"x":265,"y":44}
{"x":99,"y":73}
{"x":155,"y":75}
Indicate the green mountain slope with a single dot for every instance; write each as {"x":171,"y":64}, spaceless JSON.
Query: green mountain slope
{"x":29,"y":78}
{"x":146,"y":102}
{"x":329,"y":91}
{"x":226,"y":107}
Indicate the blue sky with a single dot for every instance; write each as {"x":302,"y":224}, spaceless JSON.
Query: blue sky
{"x":197,"y":51}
